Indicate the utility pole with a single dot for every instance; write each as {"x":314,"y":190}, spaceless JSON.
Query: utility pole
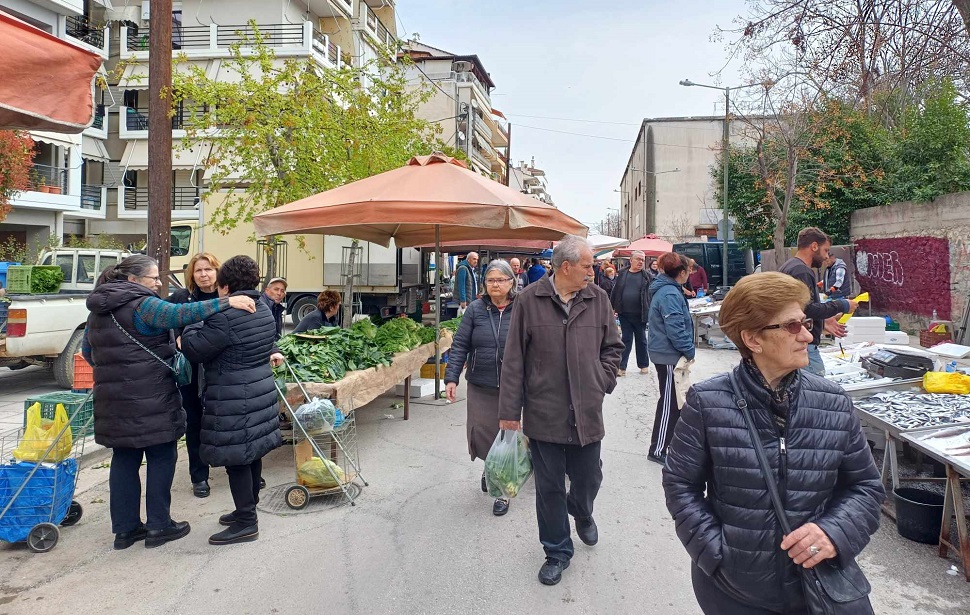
{"x":160,"y":133}
{"x":726,"y":163}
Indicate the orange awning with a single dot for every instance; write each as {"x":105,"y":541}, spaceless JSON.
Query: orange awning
{"x":47,"y":83}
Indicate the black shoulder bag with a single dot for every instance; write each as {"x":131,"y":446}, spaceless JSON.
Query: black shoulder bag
{"x":829,"y":589}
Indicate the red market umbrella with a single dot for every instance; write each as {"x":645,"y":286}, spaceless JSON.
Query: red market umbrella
{"x":650,"y":245}
{"x":47,"y":83}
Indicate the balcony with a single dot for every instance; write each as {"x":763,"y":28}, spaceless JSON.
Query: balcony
{"x":134,"y":123}
{"x":47,"y":179}
{"x":215,"y":41}
{"x":135,"y":199}
{"x":93,"y":198}
{"x":370,"y":23}
{"x":90,"y":35}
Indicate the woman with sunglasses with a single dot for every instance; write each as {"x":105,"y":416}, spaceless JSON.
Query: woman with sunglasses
{"x":818,"y":457}
{"x":479,"y":344}
{"x":671,"y":340}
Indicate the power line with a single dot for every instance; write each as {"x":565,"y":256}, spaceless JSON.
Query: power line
{"x":568,"y":119}
{"x":579,"y":134}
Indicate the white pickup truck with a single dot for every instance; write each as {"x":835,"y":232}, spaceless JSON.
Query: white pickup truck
{"x":48,"y":329}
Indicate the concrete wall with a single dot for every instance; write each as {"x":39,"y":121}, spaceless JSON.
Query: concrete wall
{"x":915,"y":258}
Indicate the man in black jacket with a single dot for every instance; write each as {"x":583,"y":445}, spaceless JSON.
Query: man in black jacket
{"x":273,"y":296}
{"x":813,"y":250}
{"x":629,"y":300}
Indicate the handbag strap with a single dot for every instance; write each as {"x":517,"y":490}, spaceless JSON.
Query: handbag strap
{"x":762,"y":459}
{"x":143,"y":347}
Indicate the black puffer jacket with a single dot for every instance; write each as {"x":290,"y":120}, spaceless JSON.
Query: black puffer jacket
{"x":240,"y":422}
{"x":136,"y":402}
{"x":480,"y":343}
{"x":829,"y":478}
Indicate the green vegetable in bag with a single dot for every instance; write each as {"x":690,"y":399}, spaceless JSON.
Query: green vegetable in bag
{"x":508,"y":464}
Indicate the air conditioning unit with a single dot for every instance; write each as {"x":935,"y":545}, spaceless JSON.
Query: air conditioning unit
{"x":146,"y":11}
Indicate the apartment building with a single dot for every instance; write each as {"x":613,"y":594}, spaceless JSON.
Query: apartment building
{"x":667,"y":187}
{"x":461,"y":105}
{"x":68,"y":187}
{"x":531,"y":180}
{"x":333,"y":33}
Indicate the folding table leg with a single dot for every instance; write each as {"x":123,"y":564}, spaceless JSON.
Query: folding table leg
{"x":893,"y":461}
{"x":407,"y":397}
{"x":956,"y":495}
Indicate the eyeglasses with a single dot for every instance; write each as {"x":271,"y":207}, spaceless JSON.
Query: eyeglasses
{"x":794,"y":327}
{"x":151,"y":277}
{"x":497,"y":281}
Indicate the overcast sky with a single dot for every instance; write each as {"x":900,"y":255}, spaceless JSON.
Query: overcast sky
{"x":615,"y":62}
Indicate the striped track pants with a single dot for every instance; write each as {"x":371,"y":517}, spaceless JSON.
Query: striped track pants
{"x":668,"y":412}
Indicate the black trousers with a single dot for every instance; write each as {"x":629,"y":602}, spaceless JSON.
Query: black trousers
{"x":244,"y":486}
{"x":198,"y":470}
{"x":124,"y":485}
{"x":713,"y":601}
{"x":552,"y":463}
{"x":668,"y":412}
{"x":633,"y":331}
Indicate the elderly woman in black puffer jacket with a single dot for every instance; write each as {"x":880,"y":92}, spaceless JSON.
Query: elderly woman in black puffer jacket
{"x":479,"y":344}
{"x":240,"y":420}
{"x":716,"y":491}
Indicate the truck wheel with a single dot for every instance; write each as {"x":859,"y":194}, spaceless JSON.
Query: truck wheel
{"x":303,"y":306}
{"x":64,"y":363}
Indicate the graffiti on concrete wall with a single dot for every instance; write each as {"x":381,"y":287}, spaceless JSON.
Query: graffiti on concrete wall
{"x":905,"y":274}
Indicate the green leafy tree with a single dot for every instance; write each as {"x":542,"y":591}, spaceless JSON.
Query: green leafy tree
{"x":282,"y":130}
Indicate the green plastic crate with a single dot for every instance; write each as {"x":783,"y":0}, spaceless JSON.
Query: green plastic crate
{"x":71,"y":401}
{"x":20,"y":279}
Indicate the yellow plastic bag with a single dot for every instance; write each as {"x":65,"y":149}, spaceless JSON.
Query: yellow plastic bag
{"x":40,"y":434}
{"x":946,"y":382}
{"x":315,"y":473}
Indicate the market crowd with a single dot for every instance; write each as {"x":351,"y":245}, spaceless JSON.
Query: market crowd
{"x":766,"y":472}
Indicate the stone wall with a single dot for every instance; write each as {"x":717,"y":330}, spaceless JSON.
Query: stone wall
{"x":914,"y":258}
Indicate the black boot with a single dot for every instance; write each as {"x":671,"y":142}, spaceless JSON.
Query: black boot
{"x":227,"y":519}
{"x":551,"y":571}
{"x":201,"y":489}
{"x":175,"y":530}
{"x":586,"y":529}
{"x":234,"y":534}
{"x":126,"y":539}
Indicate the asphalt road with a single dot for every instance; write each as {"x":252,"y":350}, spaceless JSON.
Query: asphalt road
{"x":421,"y":539}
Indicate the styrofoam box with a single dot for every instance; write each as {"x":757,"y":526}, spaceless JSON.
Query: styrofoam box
{"x":420,"y":387}
{"x":896,"y":337}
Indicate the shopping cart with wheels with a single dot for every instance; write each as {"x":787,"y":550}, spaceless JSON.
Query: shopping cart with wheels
{"x":324,"y":450}
{"x":38,"y":475}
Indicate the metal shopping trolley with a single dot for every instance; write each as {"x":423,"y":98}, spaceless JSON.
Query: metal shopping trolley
{"x":324,"y":447}
{"x":38,"y":476}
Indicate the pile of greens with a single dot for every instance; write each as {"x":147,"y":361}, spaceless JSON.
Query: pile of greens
{"x":398,"y":335}
{"x":331,"y":353}
{"x":451,"y":325}
{"x":45,"y":279}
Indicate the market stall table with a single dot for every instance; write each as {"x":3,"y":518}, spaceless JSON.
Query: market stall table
{"x":951,"y":447}
{"x":887,"y":411}
{"x":359,"y":388}
{"x":698,"y":314}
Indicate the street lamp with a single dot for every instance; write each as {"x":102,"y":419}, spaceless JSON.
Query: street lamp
{"x":724,"y":162}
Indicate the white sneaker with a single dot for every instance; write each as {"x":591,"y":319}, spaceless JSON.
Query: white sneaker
{"x":644,"y":370}
{"x":621,"y":372}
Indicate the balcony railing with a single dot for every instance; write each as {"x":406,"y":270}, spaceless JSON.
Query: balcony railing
{"x":200,"y":37}
{"x":45,"y":178}
{"x":81,"y":29}
{"x":138,"y":120}
{"x":92,"y":197}
{"x":183,"y":197}
{"x":375,"y":26}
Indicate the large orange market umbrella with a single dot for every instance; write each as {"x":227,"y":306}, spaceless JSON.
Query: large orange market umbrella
{"x":650,"y":245}
{"x":47,"y":83}
{"x":431,"y":199}
{"x":429,"y":194}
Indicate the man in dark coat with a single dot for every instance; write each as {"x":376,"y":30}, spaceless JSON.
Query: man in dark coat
{"x":630,"y":301}
{"x":560,"y":361}
{"x":241,"y":420}
{"x":273,"y":296}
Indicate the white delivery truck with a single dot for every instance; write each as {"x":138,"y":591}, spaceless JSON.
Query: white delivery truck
{"x":390,"y":280}
{"x":48,"y":329}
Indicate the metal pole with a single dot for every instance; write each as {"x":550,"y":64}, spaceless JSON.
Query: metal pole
{"x":508,"y":157}
{"x":725,"y":164}
{"x":201,"y":225}
{"x":437,"y":310}
{"x":160,"y":134}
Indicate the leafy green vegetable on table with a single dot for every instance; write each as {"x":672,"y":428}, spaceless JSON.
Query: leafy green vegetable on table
{"x":45,"y":280}
{"x":451,"y":325}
